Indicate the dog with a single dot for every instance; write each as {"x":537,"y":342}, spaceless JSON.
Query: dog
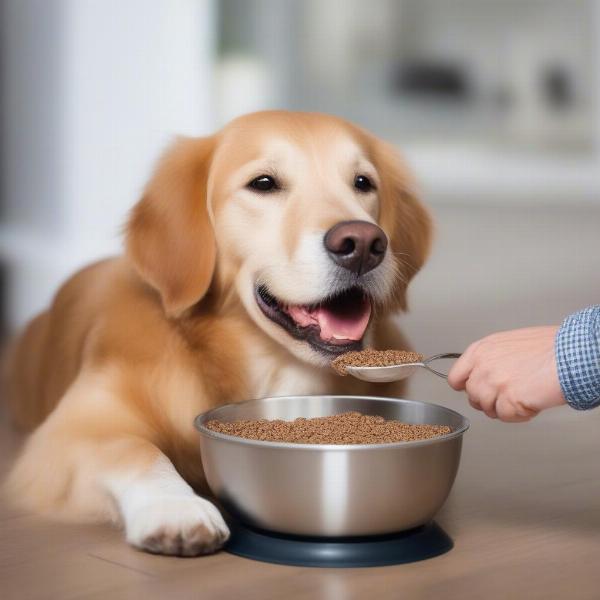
{"x":254,"y":257}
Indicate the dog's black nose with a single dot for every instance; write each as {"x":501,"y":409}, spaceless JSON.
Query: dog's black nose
{"x":358,"y":246}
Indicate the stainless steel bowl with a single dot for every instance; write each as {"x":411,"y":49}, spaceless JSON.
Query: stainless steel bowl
{"x":329,"y":490}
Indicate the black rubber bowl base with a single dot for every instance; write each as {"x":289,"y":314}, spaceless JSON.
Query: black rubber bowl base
{"x":416,"y":544}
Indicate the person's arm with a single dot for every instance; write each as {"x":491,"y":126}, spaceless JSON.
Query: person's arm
{"x":578,"y":358}
{"x":513,"y":375}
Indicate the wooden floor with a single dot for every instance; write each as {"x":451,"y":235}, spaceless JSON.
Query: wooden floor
{"x":524,"y":514}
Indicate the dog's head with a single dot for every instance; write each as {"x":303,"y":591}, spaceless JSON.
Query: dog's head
{"x":308,"y":220}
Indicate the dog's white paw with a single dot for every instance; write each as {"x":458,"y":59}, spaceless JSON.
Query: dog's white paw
{"x":177,"y":525}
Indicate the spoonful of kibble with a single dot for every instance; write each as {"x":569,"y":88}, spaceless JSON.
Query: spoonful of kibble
{"x":383,"y":366}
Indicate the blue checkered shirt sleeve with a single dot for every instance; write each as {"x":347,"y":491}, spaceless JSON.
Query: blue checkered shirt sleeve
{"x":578,"y":358}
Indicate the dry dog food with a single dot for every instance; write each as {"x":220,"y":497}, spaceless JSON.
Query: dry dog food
{"x":346,"y":428}
{"x":374,"y":358}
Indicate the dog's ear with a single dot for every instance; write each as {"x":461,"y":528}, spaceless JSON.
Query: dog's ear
{"x":402,"y":216}
{"x":169,"y":237}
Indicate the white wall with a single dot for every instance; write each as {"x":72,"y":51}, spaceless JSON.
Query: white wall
{"x":94,"y":89}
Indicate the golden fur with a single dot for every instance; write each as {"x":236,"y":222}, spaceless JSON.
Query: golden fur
{"x":110,"y":377}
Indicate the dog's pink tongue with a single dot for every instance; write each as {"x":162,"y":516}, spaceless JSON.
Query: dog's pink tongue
{"x":336,"y":320}
{"x":346,"y":322}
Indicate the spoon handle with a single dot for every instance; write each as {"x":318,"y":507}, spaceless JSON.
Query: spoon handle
{"x":437,"y":357}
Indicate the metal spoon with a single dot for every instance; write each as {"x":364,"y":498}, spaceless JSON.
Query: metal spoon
{"x":397,"y":372}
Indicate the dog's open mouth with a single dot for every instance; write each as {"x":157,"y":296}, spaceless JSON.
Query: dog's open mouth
{"x":333,"y":326}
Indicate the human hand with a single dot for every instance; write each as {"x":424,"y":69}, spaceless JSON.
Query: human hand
{"x":510,"y":375}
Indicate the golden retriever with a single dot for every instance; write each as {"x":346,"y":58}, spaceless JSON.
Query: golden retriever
{"x":254,"y":257}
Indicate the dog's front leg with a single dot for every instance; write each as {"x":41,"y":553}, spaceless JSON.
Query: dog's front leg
{"x":94,"y":459}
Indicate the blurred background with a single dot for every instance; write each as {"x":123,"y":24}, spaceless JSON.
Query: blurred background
{"x":494,"y":103}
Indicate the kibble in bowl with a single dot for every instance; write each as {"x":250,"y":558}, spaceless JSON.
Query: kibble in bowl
{"x":345,"y":428}
{"x":316,"y":486}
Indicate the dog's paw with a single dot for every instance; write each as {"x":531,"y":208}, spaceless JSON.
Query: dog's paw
{"x":178,"y":526}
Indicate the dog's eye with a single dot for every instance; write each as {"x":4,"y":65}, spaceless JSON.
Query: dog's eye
{"x":363,"y":183}
{"x":263,"y":183}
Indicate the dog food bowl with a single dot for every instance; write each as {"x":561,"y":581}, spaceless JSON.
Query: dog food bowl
{"x":330,"y":492}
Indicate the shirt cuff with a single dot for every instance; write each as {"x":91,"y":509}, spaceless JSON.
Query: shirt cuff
{"x":577,"y":348}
